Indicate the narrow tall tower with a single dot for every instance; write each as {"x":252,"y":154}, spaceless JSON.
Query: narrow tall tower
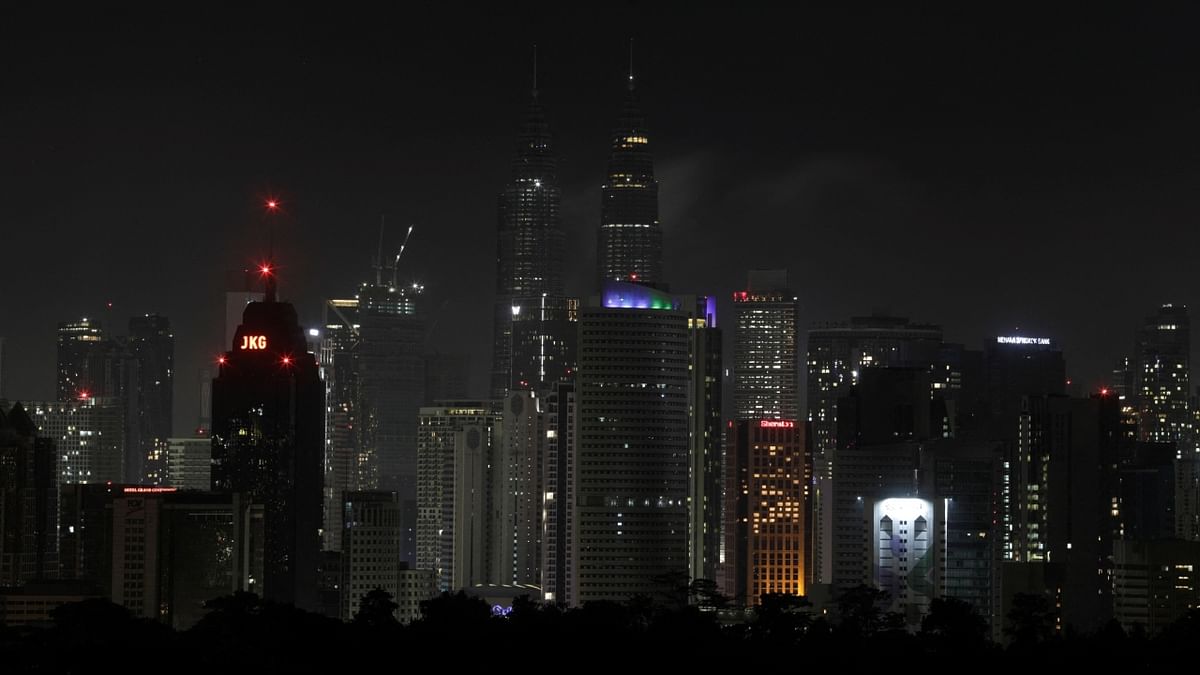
{"x":533,"y":320}
{"x":268,"y":418}
{"x":630,"y":240}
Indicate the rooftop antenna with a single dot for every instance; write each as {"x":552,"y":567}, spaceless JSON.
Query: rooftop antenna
{"x":379,"y":254}
{"x":535,"y":91}
{"x":396,"y":262}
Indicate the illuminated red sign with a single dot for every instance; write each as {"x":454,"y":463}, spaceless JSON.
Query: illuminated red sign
{"x":254,"y":342}
{"x":148,"y":490}
{"x":776,"y":424}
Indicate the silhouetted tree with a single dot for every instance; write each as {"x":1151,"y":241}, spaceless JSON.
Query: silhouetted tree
{"x":781,"y":617}
{"x":954,"y":621}
{"x":703,"y":593}
{"x":1031,"y":619}
{"x":377,"y":609}
{"x":860,"y":610}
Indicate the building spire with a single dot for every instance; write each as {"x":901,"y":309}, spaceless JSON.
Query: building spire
{"x":630,"y":64}
{"x":535,"y":89}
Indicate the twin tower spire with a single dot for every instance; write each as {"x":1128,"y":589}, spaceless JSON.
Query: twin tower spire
{"x":629,"y":240}
{"x":531,"y":250}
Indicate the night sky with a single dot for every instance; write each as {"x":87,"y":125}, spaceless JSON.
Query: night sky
{"x":983,"y":171}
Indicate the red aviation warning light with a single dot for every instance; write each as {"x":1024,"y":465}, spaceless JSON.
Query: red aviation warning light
{"x":264,"y":269}
{"x":221,"y":360}
{"x":287,"y":360}
{"x":272,"y":204}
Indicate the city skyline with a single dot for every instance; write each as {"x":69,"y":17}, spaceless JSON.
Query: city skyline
{"x":1062,"y":158}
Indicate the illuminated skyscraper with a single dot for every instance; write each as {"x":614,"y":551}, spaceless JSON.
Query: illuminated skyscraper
{"x":1161,"y":377}
{"x":534,"y":323}
{"x":268,"y":423}
{"x":766,"y":348}
{"x":764,"y":527}
{"x":632,"y":467}
{"x":630,"y":245}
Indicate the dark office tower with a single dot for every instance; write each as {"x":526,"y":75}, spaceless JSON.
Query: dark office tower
{"x":153,"y":348}
{"x":268,"y":422}
{"x":1019,"y":366}
{"x":1062,"y":487}
{"x":965,"y":482}
{"x":1161,"y":377}
{"x":373,"y":352}
{"x":837,"y":355}
{"x":766,"y":367}
{"x":764,"y":530}
{"x":78,"y":342}
{"x":28,"y":501}
{"x":630,"y":244}
{"x":706,"y":438}
{"x":632,"y":469}
{"x":533,"y":342}
{"x":1146,"y":505}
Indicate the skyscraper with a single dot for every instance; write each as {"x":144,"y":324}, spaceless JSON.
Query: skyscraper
{"x":1161,"y":377}
{"x":89,"y":437}
{"x":153,"y":347}
{"x":373,"y":353}
{"x":632,"y":466}
{"x":534,"y":328}
{"x":78,"y":341}
{"x":28,"y":501}
{"x":268,"y":423}
{"x":764,"y":530}
{"x":630,"y":244}
{"x":837,"y":355}
{"x":455,"y":449}
{"x":370,"y":547}
{"x":766,"y":347}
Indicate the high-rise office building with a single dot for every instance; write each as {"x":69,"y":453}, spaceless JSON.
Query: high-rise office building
{"x":558,"y":481}
{"x":630,"y":241}
{"x":534,"y":322}
{"x":172,"y":552}
{"x":632,"y":463}
{"x":153,"y":347}
{"x":373,"y":355}
{"x":1161,"y":377}
{"x":370,"y":547}
{"x":1154,"y":582}
{"x":902,"y":553}
{"x":764,"y":530}
{"x":89,"y":437}
{"x":268,"y":425}
{"x":766,"y":349}
{"x":28,"y":501}
{"x":838,"y":354}
{"x":517,"y":485}
{"x":706,"y":440}
{"x":455,"y":450}
{"x":1018,"y":366}
{"x":1062,"y":487}
{"x":78,"y":341}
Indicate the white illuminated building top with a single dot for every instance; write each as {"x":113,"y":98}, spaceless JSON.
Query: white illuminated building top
{"x":1019,"y":340}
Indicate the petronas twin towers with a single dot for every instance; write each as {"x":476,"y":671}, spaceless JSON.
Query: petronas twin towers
{"x":534,"y":320}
